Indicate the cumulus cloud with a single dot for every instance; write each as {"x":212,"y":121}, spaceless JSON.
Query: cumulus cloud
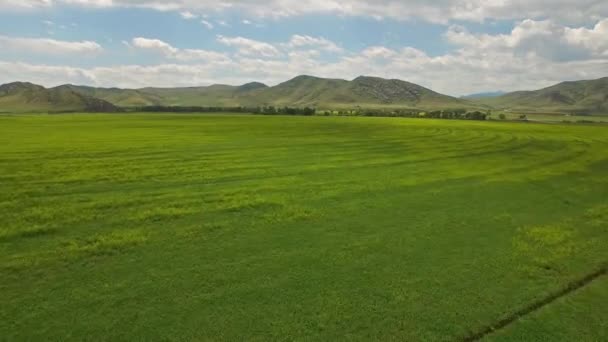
{"x":207,"y":24}
{"x":44,"y":74}
{"x":455,"y":73}
{"x":183,"y":55}
{"x":49,"y":46}
{"x":374,"y":52}
{"x":298,"y":41}
{"x":594,"y":40}
{"x":538,"y":38}
{"x":250,"y":47}
{"x":533,"y":55}
{"x":188,"y":15}
{"x":438,"y":11}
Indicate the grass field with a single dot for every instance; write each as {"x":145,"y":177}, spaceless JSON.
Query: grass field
{"x":568,"y":319}
{"x":211,"y":227}
{"x":551,"y":117}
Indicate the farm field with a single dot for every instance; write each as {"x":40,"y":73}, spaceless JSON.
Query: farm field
{"x":580,"y":316}
{"x":242,"y":227}
{"x":551,"y":118}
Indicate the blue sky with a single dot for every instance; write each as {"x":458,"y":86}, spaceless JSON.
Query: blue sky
{"x":456,"y":47}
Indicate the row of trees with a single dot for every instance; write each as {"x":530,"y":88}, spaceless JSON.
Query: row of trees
{"x":453,"y":114}
{"x":271,"y":110}
{"x":267,"y":110}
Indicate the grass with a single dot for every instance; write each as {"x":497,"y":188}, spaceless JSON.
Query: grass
{"x":580,"y":316}
{"x":550,"y":117}
{"x":227,"y":227}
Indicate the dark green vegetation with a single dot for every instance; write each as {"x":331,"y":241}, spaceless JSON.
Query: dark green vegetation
{"x":26,"y":97}
{"x":202,"y":227}
{"x":580,"y":97}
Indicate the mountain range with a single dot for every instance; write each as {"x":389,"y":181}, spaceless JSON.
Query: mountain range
{"x":583,"y":97}
{"x":576,"y":97}
{"x":28,"y":97}
{"x":301,"y":91}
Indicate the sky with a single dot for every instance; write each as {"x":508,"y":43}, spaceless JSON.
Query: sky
{"x":456,"y":47}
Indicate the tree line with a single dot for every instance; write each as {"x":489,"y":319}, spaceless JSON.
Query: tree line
{"x":268,"y":110}
{"x":452,"y":114}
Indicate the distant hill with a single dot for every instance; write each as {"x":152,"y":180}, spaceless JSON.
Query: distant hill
{"x":24,"y":97}
{"x":483,"y":95}
{"x":298,"y":92}
{"x":251,"y":86}
{"x":362,"y":91}
{"x":577,"y":97}
{"x":580,"y":97}
{"x":117,"y":96}
{"x":214,"y":95}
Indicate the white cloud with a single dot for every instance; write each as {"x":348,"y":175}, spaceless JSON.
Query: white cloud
{"x":466,"y":74}
{"x":49,"y":46}
{"x":246,"y":22}
{"x":207,"y":24}
{"x":187,"y":15}
{"x":538,"y":38}
{"x":595,"y":39}
{"x":250,"y":47}
{"x":535,"y":54}
{"x":439,"y":11}
{"x":298,"y":41}
{"x":378,"y":52}
{"x":183,"y":55}
{"x":44,"y":74}
{"x":154,"y":44}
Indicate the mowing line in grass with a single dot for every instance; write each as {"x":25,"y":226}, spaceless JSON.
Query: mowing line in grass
{"x":535,"y":306}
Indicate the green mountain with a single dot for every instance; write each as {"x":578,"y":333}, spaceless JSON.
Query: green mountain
{"x":215,"y":95}
{"x":117,"y":96}
{"x":362,"y":91}
{"x":579,"y":97}
{"x":300,"y":91}
{"x":28,"y":97}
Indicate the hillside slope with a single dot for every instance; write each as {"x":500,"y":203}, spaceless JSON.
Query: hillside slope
{"x":299,"y":92}
{"x":363,"y":91}
{"x":28,"y":97}
{"x":214,"y":95}
{"x":578,"y":97}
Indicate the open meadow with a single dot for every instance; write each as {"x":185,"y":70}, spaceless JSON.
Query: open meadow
{"x":259,"y":228}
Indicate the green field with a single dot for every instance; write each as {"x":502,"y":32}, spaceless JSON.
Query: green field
{"x":549,"y":117}
{"x":226,"y":227}
{"x":568,"y":319}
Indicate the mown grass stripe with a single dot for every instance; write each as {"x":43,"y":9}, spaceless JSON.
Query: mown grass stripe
{"x":535,"y":306}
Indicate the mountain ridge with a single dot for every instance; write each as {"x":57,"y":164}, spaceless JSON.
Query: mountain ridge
{"x":26,"y":96}
{"x":575,"y":97}
{"x":302,"y":90}
{"x":569,"y":97}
